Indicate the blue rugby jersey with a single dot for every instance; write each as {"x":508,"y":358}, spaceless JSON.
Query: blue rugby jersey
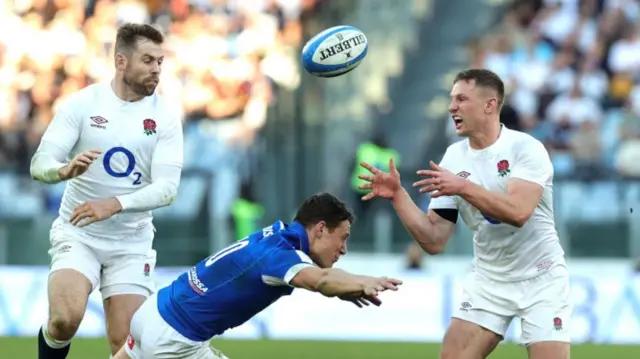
{"x":236,"y":283}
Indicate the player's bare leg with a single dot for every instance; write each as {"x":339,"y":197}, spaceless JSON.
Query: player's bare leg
{"x":549,"y":350}
{"x":119,"y":310}
{"x":68,"y":292}
{"x":466,"y":340}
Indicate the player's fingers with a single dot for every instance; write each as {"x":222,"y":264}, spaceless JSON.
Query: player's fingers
{"x":366,"y":178}
{"x":370,"y":291}
{"x":89,"y":220}
{"x":363,"y":302}
{"x":83,"y":160}
{"x":395,"y":281}
{"x":357,"y":303}
{"x":435,"y":166}
{"x":392,"y":165}
{"x":435,"y":194}
{"x":93,"y":154}
{"x":79,"y":217}
{"x":429,"y":189}
{"x":366,"y":186}
{"x":369,"y":167}
{"x":428,"y":173}
{"x":373,"y":299}
{"x":368,"y":196}
{"x":424,"y":182}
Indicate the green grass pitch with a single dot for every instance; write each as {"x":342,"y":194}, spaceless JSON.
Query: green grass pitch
{"x":25,"y":348}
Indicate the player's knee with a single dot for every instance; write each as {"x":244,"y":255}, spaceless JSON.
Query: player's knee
{"x":63,"y":326}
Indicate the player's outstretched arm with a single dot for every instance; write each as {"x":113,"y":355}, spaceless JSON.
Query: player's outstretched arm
{"x":430,"y":230}
{"x":333,"y":282}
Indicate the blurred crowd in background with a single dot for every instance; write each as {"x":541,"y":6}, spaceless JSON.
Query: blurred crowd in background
{"x":259,"y":125}
{"x":222,"y":59}
{"x":572,"y":70}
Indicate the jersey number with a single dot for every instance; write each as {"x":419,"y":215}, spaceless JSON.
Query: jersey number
{"x":222,"y":253}
{"x":131,"y":165}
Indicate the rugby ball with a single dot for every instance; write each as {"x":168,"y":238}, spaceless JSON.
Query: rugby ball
{"x":335,"y":51}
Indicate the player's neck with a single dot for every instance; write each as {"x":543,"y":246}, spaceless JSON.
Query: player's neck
{"x":123,"y":91}
{"x":482,"y":140}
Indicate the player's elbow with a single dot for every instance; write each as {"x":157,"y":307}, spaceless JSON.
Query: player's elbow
{"x":169,"y":193}
{"x":519,"y":219}
{"x":433,"y":249}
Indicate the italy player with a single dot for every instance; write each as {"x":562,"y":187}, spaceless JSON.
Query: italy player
{"x":228,"y":288}
{"x":120,"y":149}
{"x":500,"y":181}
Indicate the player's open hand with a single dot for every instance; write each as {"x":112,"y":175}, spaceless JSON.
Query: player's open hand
{"x":79,"y":164}
{"x":94,"y":211}
{"x":373,"y":286}
{"x":359,"y":300}
{"x":381,"y":184}
{"x":440,"y":182}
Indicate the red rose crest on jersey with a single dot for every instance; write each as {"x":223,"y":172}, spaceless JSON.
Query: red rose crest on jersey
{"x":149,"y":126}
{"x":557,"y":323}
{"x":147,"y":269}
{"x":503,"y":168}
{"x":130,"y":341}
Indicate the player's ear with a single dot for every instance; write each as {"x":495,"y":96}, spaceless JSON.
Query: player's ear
{"x":491,"y":104}
{"x":320,"y":228}
{"x":120,"y":61}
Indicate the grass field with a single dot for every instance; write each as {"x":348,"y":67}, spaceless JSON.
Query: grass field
{"x":25,"y":348}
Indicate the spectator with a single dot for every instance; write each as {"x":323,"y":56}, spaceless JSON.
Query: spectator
{"x":222,"y":59}
{"x":570,"y":67}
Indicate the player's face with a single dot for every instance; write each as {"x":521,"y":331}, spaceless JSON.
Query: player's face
{"x":469,"y":107}
{"x":329,"y":244}
{"x":144,"y":64}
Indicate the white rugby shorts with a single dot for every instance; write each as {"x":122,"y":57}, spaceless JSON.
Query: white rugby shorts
{"x":116,"y":267}
{"x":152,"y":337}
{"x":542,"y":304}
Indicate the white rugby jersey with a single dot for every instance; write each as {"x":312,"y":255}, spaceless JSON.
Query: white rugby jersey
{"x":503,"y":252}
{"x":132,"y":136}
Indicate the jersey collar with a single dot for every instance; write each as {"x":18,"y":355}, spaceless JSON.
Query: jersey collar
{"x":300,"y":239}
{"x":494,"y":148}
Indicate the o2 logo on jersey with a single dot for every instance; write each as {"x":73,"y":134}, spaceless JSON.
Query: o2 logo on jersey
{"x":131,"y":165}
{"x":226,"y":251}
{"x":490,"y":220}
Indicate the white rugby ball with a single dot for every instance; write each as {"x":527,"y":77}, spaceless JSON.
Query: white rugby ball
{"x":335,"y":51}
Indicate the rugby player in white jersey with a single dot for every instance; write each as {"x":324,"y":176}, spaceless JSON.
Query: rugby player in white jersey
{"x":120,"y":149}
{"x":500,"y":181}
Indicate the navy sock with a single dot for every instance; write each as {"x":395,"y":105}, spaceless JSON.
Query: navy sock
{"x":47,"y":352}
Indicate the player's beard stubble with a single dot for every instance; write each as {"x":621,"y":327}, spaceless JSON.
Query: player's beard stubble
{"x":146,"y":87}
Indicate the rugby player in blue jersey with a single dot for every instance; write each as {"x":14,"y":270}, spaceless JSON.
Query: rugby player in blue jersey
{"x":228,"y":288}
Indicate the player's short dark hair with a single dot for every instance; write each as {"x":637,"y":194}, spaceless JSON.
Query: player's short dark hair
{"x":483,"y":78}
{"x":129,"y":34}
{"x":323,"y":207}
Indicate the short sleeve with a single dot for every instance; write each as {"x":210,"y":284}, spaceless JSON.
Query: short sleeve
{"x":282,"y":265}
{"x":532,"y":163}
{"x":445,"y":202}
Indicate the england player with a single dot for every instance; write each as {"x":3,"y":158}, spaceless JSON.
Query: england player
{"x":120,"y":150}
{"x":228,"y":288}
{"x":500,"y":181}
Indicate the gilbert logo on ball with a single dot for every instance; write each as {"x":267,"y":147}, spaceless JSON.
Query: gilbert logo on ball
{"x":334,"y":51}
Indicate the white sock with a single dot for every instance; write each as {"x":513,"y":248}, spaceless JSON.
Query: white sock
{"x":51,"y":342}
